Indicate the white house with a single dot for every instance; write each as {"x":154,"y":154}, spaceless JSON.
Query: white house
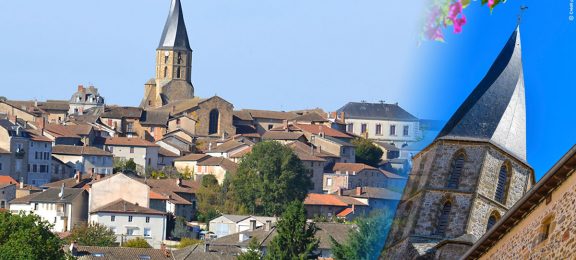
{"x":129,"y":221}
{"x":62,"y":207}
{"x":231,"y":224}
{"x":144,"y":153}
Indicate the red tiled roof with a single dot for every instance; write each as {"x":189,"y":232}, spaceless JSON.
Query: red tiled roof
{"x":7,"y":179}
{"x":345,"y":212}
{"x":324,"y":200}
{"x":68,"y":130}
{"x":126,"y":141}
{"x":122,"y":206}
{"x":157,"y":196}
{"x":316,"y":129}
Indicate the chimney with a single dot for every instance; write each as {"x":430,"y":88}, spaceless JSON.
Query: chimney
{"x":206,"y":248}
{"x":179,"y":182}
{"x":353,"y":208}
{"x":339,"y":191}
{"x":80,"y":88}
{"x":333,"y":115}
{"x":359,"y":191}
{"x":41,"y":123}
{"x":285,"y":125}
{"x":35,"y":102}
{"x":342,"y":117}
{"x":252,"y":224}
{"x":164,"y":250}
{"x":73,"y":249}
{"x":268,"y":226}
{"x":21,"y":183}
{"x":78,"y":176}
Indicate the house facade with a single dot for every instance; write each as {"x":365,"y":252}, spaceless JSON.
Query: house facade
{"x":144,"y":153}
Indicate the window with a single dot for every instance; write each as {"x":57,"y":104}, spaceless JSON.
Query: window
{"x":363,"y":128}
{"x":130,"y":127}
{"x":34,"y":168}
{"x":130,"y":218}
{"x":165,"y":72}
{"x":130,"y":231}
{"x":378,"y":129}
{"x":392,"y":130}
{"x":546,"y":228}
{"x":112,"y":218}
{"x":35,"y":206}
{"x":270,"y":127}
{"x":214,"y":122}
{"x":132,"y":149}
{"x":405,"y":130}
{"x":113,"y":229}
{"x":492,"y":220}
{"x":328,"y":181}
{"x":178,"y":72}
{"x":147,"y":219}
{"x":502,"y":184}
{"x":43,"y":168}
{"x":166,"y":56}
{"x":443,"y":219}
{"x":147,"y":232}
{"x":0,"y":166}
{"x":454,"y":177}
{"x":179,"y":60}
{"x":350,"y":127}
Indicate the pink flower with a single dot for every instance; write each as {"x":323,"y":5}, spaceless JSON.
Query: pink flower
{"x":458,"y":23}
{"x":454,"y":10}
{"x":490,"y":3}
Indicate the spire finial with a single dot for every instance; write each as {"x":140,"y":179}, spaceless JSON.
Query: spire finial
{"x":522,"y":9}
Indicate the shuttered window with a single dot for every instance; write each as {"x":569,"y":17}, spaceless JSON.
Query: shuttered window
{"x":456,"y":171}
{"x":443,"y":219}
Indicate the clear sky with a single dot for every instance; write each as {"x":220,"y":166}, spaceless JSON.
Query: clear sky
{"x":296,"y":54}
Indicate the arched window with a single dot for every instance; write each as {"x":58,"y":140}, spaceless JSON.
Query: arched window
{"x":213,"y":123}
{"x":178,"y":72}
{"x":165,"y":72}
{"x":455,"y":171}
{"x":443,"y":219}
{"x":494,"y":217}
{"x":503,"y":183}
{"x":179,"y":58}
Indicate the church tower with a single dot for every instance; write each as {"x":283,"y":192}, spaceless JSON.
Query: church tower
{"x":473,"y":172}
{"x":173,"y":63}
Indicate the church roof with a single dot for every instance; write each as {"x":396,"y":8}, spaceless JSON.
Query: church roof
{"x":174,"y":36}
{"x":495,"y":111}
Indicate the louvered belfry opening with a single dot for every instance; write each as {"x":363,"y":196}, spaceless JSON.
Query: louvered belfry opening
{"x":456,"y":171}
{"x":502,"y":185}
{"x":443,"y":219}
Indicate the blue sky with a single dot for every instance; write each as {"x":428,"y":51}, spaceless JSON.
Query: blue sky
{"x":296,"y":54}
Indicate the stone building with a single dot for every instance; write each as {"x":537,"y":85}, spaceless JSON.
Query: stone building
{"x":541,"y":225}
{"x":84,"y":99}
{"x":474,"y":169}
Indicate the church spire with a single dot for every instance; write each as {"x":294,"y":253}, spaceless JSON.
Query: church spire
{"x":174,"y":36}
{"x":495,"y":111}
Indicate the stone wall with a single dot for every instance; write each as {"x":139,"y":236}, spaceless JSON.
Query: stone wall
{"x":225,"y":110}
{"x":525,"y":240}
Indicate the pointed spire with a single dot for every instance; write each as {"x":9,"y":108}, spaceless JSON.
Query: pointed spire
{"x":495,"y":111}
{"x":174,"y":36}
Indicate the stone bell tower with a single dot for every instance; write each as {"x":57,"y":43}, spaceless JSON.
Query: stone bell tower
{"x":173,"y":63}
{"x":473,"y":172}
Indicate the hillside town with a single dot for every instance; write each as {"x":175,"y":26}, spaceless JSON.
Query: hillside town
{"x":181,"y":168}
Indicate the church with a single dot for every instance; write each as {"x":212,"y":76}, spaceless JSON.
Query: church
{"x":472,"y":173}
{"x":171,"y":89}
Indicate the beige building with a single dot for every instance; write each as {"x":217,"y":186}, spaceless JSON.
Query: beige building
{"x":351,"y":175}
{"x":540,"y":225}
{"x":115,"y":187}
{"x":144,"y":153}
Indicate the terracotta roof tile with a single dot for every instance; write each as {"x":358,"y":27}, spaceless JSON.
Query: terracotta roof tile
{"x":7,"y":179}
{"x":317,"y":129}
{"x":324,"y":200}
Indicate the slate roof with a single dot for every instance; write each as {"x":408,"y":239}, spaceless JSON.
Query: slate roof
{"x":156,"y":118}
{"x":109,"y":253}
{"x":495,"y":111}
{"x":374,"y":193}
{"x":174,"y":35}
{"x":121,"y":112}
{"x":122,"y":206}
{"x":126,"y":141}
{"x":79,"y":150}
{"x":281,"y":135}
{"x":376,"y":111}
{"x":50,"y":196}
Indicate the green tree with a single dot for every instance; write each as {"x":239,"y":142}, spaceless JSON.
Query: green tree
{"x":92,"y":235}
{"x":130,"y":166}
{"x":137,"y":243}
{"x":28,"y":237}
{"x":207,"y":195}
{"x":295,"y":238}
{"x":180,"y":228}
{"x":187,"y":174}
{"x":253,"y":252}
{"x":367,"y":152}
{"x":270,"y":177}
{"x":367,"y":241}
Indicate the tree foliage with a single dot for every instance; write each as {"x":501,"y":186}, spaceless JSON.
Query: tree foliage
{"x":270,"y":177}
{"x":28,"y":237}
{"x":367,"y":241}
{"x":137,"y":243}
{"x":367,"y":152}
{"x":186,"y":242}
{"x":295,"y":238}
{"x":180,"y":228}
{"x":253,"y":252}
{"x":94,"y":234}
{"x":123,"y":165}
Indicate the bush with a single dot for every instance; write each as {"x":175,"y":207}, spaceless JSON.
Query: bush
{"x":186,"y":242}
{"x":92,"y":235}
{"x":137,"y":243}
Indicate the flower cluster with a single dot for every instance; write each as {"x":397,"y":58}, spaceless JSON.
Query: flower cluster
{"x":442,"y":14}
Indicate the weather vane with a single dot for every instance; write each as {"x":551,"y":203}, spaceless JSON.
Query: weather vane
{"x":522,"y":9}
